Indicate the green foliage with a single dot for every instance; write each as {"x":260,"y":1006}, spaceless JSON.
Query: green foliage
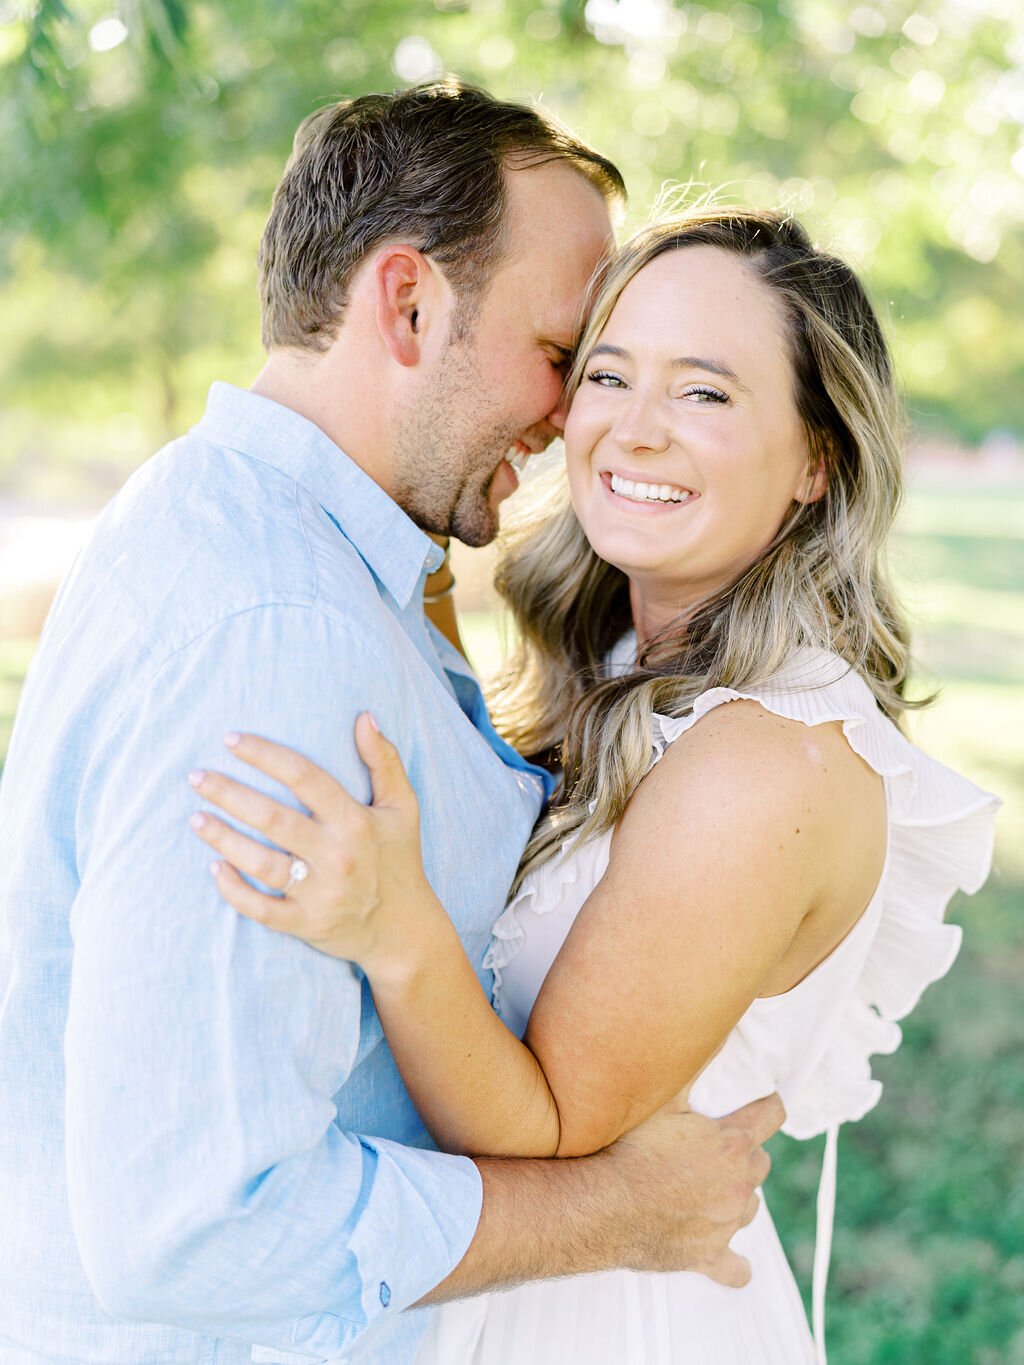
{"x":141,"y":150}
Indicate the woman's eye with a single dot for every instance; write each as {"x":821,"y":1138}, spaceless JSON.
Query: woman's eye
{"x":703,"y":394}
{"x":607,"y":378}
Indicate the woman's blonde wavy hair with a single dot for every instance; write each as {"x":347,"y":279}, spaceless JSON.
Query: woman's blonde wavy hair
{"x":821,"y":583}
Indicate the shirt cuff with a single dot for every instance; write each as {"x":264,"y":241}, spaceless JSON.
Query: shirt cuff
{"x":419,"y":1212}
{"x":421,"y":1215}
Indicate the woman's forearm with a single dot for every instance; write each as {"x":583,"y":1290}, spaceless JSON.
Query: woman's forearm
{"x":479,"y":1090}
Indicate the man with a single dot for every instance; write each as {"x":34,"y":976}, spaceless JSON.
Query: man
{"x":226,"y":1166}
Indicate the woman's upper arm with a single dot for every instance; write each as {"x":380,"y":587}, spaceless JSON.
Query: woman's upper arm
{"x":714,"y":864}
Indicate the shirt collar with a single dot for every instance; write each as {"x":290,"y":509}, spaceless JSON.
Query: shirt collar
{"x":393,"y":547}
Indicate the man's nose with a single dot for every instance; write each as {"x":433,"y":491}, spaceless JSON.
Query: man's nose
{"x":560,"y":411}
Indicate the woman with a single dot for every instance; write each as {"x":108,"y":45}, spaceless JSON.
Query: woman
{"x":742,"y":885}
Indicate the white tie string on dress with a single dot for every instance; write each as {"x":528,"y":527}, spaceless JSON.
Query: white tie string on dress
{"x":823,"y":1240}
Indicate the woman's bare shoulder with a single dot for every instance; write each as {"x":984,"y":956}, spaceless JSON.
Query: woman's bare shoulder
{"x":746,"y":754}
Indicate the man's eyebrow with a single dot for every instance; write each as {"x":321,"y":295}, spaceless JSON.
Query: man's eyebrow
{"x":682,"y":362}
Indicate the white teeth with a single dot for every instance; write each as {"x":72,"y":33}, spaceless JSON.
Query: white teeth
{"x":648,"y":492}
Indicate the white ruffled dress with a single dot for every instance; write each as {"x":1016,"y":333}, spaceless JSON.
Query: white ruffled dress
{"x":811,"y":1044}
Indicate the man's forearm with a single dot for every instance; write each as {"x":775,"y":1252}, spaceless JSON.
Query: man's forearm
{"x":540,"y":1219}
{"x":667,"y":1196}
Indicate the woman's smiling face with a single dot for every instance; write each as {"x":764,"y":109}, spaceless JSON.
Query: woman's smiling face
{"x":684,"y":446}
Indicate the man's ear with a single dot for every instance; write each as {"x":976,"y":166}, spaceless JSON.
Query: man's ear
{"x":401,"y":278}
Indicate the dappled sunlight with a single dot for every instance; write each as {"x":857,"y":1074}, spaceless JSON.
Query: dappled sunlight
{"x":144,"y":145}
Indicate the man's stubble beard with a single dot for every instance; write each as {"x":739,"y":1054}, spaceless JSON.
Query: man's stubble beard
{"x":447,"y":450}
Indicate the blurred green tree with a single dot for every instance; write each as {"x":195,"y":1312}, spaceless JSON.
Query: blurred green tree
{"x":142,"y":141}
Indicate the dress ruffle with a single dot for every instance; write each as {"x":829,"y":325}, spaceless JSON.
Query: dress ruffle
{"x":940,"y":841}
{"x":563,"y":870}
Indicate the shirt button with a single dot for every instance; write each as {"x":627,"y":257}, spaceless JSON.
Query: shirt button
{"x":385,"y":1293}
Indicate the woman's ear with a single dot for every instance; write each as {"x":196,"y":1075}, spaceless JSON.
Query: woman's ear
{"x":401,"y":276}
{"x":816,"y":485}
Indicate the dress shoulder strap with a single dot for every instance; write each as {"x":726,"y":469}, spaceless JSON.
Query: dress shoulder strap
{"x":826,"y":1212}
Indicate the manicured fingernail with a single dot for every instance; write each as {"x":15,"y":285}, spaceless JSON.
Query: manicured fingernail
{"x":198,"y":820}
{"x":215,"y":869}
{"x":232,"y":738}
{"x":196,"y":778}
{"x":373,"y":721}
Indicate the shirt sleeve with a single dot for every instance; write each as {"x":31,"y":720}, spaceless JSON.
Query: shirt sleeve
{"x":210,"y":1184}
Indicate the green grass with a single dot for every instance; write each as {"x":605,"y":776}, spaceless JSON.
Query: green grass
{"x":928,"y":1264}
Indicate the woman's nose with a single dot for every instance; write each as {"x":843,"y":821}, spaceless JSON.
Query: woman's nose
{"x":640,"y":426}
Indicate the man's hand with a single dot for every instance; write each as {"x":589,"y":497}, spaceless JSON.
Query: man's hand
{"x":689,"y":1184}
{"x":667,"y":1196}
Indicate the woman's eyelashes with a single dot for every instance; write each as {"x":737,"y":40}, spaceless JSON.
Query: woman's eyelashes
{"x":705,"y":394}
{"x":607,"y":378}
{"x":701,"y":393}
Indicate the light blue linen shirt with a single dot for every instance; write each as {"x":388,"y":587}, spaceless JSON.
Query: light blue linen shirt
{"x":206,"y":1152}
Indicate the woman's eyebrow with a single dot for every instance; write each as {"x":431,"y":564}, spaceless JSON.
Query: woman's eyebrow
{"x":604,"y":348}
{"x":682,"y":362}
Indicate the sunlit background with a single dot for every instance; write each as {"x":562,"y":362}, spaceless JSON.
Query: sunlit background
{"x":141,"y":143}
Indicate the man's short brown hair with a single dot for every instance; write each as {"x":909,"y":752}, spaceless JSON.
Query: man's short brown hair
{"x":423,"y":166}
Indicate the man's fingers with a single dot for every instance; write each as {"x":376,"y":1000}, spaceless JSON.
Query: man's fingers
{"x":750,"y":1212}
{"x":761,"y":1118}
{"x":391,"y":786}
{"x":760,"y":1165}
{"x":729,"y":1269}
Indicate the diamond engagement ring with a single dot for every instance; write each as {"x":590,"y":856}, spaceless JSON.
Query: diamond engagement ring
{"x":298,"y":872}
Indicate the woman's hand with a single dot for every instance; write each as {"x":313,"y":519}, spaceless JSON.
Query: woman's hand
{"x":353,"y":875}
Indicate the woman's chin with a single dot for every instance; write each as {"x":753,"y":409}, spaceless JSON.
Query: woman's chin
{"x":632,"y":553}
